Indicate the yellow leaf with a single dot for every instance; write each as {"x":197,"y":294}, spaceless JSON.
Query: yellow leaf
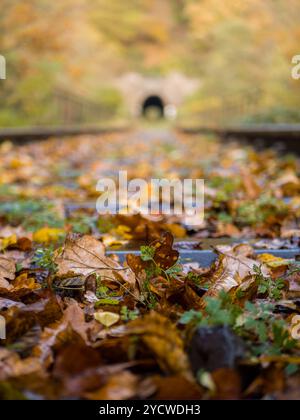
{"x":272,"y":261}
{"x":16,"y":163}
{"x":46,"y":235}
{"x":111,"y":241}
{"x":177,"y":230}
{"x":123,"y":231}
{"x":106,"y":318}
{"x":9,"y":240}
{"x":24,"y":282}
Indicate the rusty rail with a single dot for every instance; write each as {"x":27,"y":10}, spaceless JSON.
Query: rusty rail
{"x":206,"y":257}
{"x":27,"y":134}
{"x":283,"y":136}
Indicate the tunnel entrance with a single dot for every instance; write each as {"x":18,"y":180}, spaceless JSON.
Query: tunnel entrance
{"x":153,"y":107}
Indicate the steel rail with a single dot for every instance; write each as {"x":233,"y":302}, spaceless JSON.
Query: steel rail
{"x":283,"y":136}
{"x":206,"y":257}
{"x":27,"y":134}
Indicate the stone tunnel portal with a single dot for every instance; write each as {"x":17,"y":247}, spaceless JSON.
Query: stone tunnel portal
{"x":153,"y":107}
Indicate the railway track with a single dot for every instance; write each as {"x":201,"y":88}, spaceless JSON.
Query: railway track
{"x":27,"y":134}
{"x":284,"y":136}
{"x":288,"y":135}
{"x":281,"y":136}
{"x":206,"y":257}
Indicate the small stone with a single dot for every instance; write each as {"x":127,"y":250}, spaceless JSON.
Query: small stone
{"x":213,"y":348}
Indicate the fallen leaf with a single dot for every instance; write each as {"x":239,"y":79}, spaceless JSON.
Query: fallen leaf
{"x":9,"y":240}
{"x":272,"y":261}
{"x":24,"y":282}
{"x":73,"y":320}
{"x":232,"y":268}
{"x":85,"y":255}
{"x":106,"y":318}
{"x":163,"y":255}
{"x":121,"y":386}
{"x":163,"y":339}
{"x":7,"y":272}
{"x":176,"y":387}
{"x":46,"y":235}
{"x":228,"y":384}
{"x":12,"y":366}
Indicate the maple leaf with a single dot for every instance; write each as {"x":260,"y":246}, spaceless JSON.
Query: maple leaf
{"x":160,"y":252}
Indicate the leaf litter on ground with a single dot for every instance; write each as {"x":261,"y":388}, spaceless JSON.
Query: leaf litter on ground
{"x":81,"y":324}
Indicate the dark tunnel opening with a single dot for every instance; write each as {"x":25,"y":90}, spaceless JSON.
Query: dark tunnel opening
{"x":153,"y":107}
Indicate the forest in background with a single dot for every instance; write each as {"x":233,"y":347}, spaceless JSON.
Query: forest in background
{"x":156,"y":262}
{"x":241,"y":52}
